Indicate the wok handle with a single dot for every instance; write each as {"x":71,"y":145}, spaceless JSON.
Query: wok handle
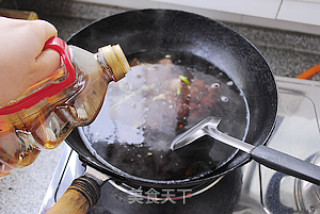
{"x":286,"y":164}
{"x":82,"y":194}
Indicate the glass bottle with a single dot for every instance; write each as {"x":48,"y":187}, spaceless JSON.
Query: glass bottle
{"x":49,"y":110}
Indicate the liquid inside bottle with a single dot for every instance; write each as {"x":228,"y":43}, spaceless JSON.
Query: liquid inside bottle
{"x":45,"y":125}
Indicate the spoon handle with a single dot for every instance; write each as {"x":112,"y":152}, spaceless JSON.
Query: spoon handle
{"x":287,"y":164}
{"x":271,"y":158}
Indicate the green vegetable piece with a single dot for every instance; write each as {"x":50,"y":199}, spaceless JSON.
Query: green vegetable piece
{"x":178,"y":91}
{"x":184,"y":79}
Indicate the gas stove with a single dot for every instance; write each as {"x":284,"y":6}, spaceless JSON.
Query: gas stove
{"x":250,"y":189}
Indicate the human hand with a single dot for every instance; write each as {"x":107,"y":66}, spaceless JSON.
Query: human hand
{"x":22,"y":59}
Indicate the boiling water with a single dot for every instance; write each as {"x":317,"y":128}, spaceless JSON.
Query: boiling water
{"x":157,"y":100}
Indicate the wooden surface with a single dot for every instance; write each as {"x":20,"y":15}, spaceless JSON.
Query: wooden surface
{"x":17,"y":14}
{"x":72,"y":202}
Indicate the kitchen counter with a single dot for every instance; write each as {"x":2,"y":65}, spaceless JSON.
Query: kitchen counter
{"x":288,"y":53}
{"x":22,"y":191}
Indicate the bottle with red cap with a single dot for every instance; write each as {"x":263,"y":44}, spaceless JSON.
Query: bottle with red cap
{"x":49,"y":110}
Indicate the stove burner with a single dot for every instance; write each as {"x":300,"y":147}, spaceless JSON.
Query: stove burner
{"x":221,"y":198}
{"x":307,"y":195}
{"x":273,"y":199}
{"x":176,"y":194}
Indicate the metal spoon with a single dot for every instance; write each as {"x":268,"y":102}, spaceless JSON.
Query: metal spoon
{"x":264,"y":155}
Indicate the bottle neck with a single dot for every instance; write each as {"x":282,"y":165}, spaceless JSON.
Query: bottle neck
{"x":105,"y":66}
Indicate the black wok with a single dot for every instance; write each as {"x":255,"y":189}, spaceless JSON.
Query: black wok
{"x":165,"y":31}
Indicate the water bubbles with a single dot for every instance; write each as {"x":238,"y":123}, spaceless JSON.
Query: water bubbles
{"x":230,"y":83}
{"x":151,"y":68}
{"x":190,"y":69}
{"x":216,"y":85}
{"x":224,"y":99}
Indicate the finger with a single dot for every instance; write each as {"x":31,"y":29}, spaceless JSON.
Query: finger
{"x":48,"y":60}
{"x":46,"y":29}
{"x":46,"y":63}
{"x":41,"y":31}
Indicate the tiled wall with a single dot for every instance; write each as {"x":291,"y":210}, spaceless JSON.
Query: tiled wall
{"x":296,"y":15}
